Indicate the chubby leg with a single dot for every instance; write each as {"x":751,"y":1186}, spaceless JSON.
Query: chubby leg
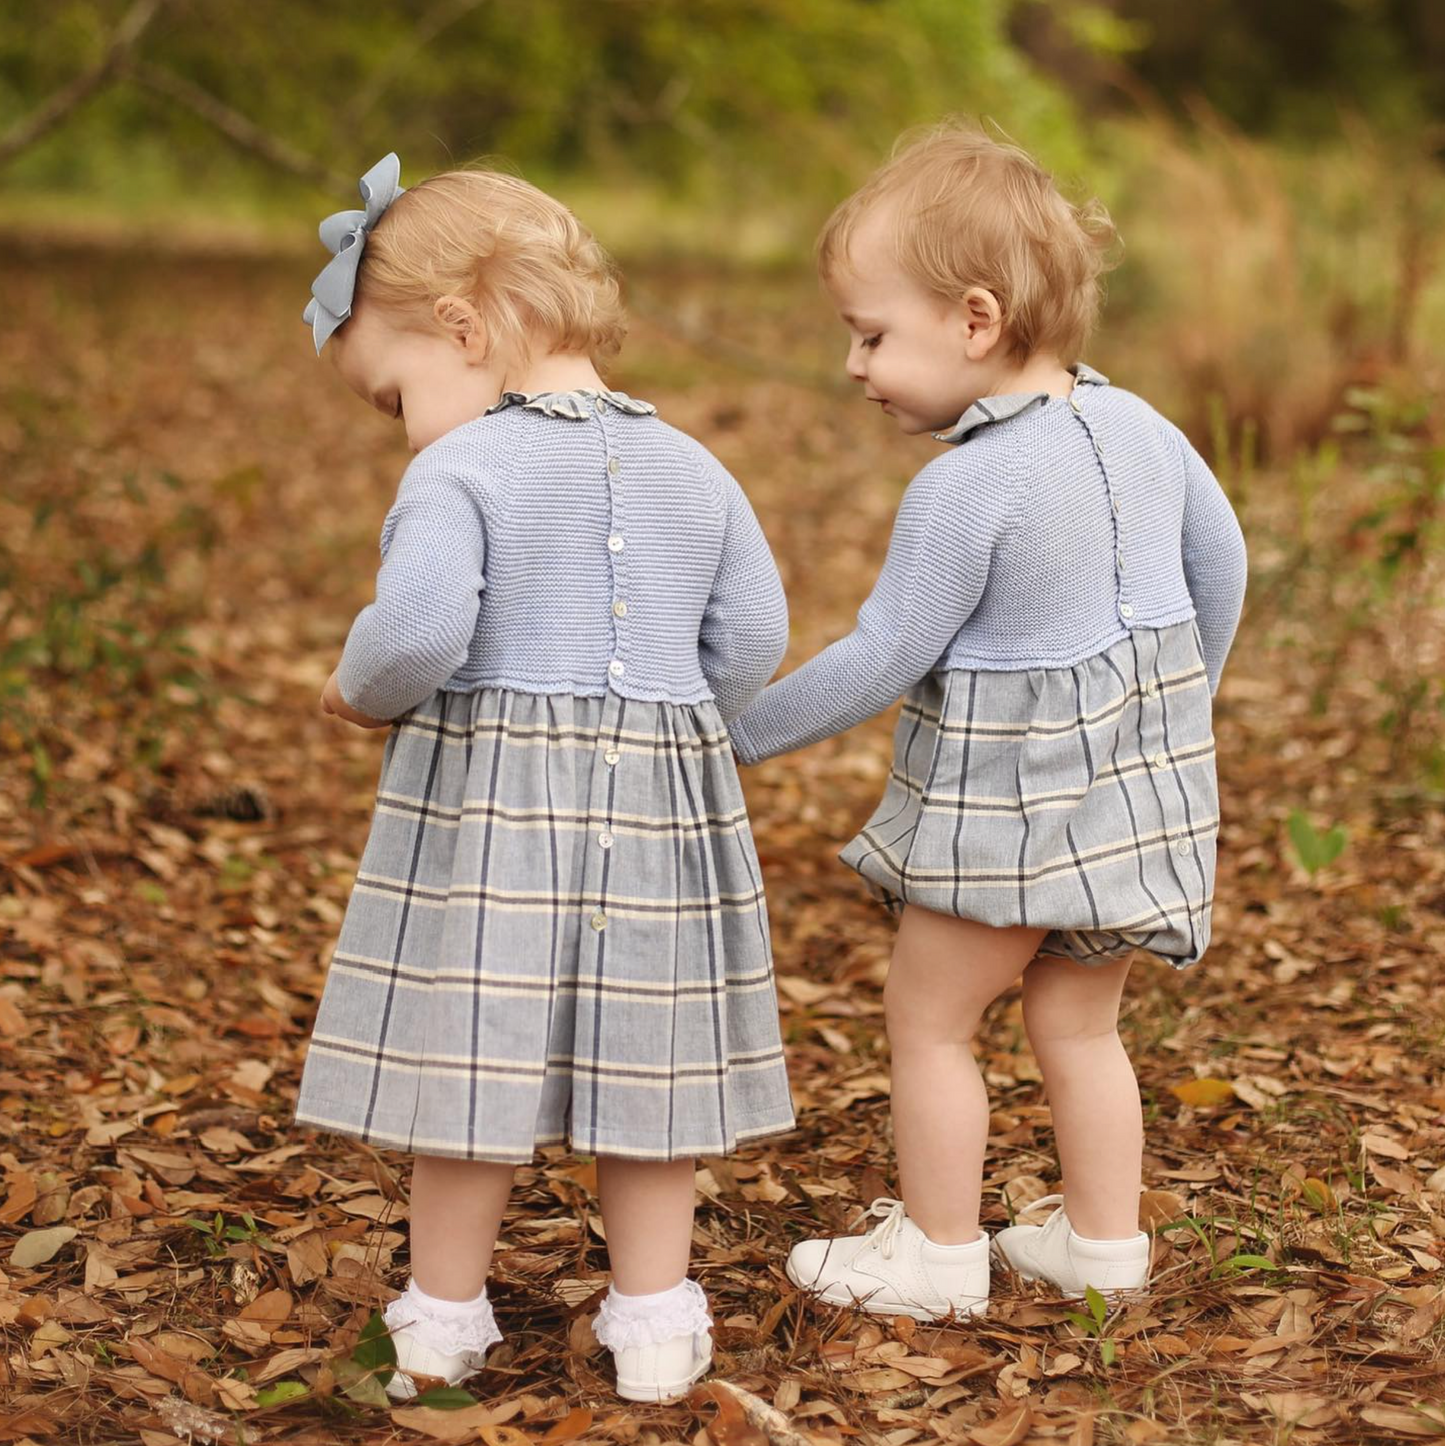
{"x":654,"y":1320}
{"x":1071,"y":1014}
{"x":442,"y":1324}
{"x":456,"y":1212}
{"x":945,"y":972}
{"x":647,"y":1213}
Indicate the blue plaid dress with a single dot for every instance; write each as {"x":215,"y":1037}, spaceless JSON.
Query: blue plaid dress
{"x":557,"y":931}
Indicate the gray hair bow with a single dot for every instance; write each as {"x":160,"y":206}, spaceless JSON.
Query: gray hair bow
{"x":344,"y":233}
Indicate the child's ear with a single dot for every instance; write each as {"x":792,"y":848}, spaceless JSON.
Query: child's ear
{"x":981,"y":319}
{"x":462,"y":323}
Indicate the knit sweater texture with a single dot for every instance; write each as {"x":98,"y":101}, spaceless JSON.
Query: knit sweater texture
{"x":1051,"y":528}
{"x":568,"y":543}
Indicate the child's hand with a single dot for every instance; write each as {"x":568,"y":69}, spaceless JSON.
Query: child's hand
{"x":332,"y":702}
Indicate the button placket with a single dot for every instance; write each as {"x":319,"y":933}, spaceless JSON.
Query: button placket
{"x":601,"y":802}
{"x":1126,"y":609}
{"x":617,"y":548}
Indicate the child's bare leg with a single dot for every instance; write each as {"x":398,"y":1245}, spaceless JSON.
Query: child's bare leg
{"x":945,"y":973}
{"x":655,"y":1319}
{"x":647,"y":1212}
{"x":456,"y":1212}
{"x":1071,"y":1013}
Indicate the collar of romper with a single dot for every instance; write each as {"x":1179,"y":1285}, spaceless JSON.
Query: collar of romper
{"x":1000,"y":409}
{"x":577,"y":405}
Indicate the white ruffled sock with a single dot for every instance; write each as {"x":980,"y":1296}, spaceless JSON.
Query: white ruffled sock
{"x":652,"y":1320}
{"x":449,"y":1326}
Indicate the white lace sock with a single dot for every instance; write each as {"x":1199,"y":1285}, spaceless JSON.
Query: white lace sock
{"x":449,"y":1326}
{"x":625,"y":1321}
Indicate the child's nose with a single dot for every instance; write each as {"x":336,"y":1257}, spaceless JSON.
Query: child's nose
{"x":854,"y":364}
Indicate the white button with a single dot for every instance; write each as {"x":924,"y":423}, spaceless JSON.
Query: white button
{"x":1184,"y":848}
{"x":1120,"y":559}
{"x":613,"y":466}
{"x":1161,"y":760}
{"x":599,"y":921}
{"x":612,"y":758}
{"x":1074,"y":403}
{"x":615,"y":668}
{"x":605,"y":840}
{"x":619,"y":609}
{"x":600,"y":405}
{"x":615,"y":543}
{"x":1125,"y":611}
{"x":1150,"y":688}
{"x":1114,"y":505}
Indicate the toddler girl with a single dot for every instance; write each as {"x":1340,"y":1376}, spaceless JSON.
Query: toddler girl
{"x":1059,"y":595}
{"x":557,"y":931}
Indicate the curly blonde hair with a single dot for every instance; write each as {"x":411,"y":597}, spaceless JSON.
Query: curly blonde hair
{"x":968,"y":210}
{"x":532,"y":269}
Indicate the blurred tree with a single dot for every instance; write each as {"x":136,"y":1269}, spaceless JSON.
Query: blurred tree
{"x":747,"y":95}
{"x":1288,"y":68}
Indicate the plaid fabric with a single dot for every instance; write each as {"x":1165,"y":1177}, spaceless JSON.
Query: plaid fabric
{"x":557,"y":932}
{"x":1081,"y":800}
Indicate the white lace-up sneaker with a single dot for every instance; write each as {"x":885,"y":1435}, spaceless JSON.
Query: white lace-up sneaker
{"x":894,"y":1270}
{"x":447,"y":1339}
{"x":1054,"y":1252}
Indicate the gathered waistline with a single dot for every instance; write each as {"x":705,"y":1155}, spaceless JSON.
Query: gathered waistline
{"x":571,"y":687}
{"x":978,"y":663}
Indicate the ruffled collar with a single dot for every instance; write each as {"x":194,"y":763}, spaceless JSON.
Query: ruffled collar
{"x":578,"y":405}
{"x":1000,"y":409}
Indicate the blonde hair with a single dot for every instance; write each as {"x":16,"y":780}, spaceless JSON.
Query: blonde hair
{"x":972,"y":211}
{"x":522,"y":258}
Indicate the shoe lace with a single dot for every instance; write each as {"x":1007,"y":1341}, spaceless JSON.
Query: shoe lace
{"x":885,"y":1237}
{"x":1057,"y":1201}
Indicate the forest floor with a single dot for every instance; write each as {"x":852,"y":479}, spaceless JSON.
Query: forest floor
{"x":188,"y":525}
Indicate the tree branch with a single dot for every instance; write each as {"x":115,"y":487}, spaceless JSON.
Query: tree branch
{"x":237,"y":128}
{"x":46,"y":116}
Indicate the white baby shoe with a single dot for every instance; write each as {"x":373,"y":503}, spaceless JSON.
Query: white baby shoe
{"x":894,"y":1270}
{"x":1054,"y":1252}
{"x":433,"y":1337}
{"x":661,"y":1344}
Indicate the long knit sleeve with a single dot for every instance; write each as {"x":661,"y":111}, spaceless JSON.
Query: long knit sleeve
{"x":938,"y":561}
{"x":744,"y":631}
{"x":1214,"y":559}
{"x":417,"y":633}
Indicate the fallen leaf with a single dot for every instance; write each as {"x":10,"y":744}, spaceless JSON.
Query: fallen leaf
{"x":571,"y":1426}
{"x":20,"y":1199}
{"x":35,"y":1247}
{"x":460,"y":1425}
{"x":1411,"y":1421}
{"x":1203,"y":1092}
{"x":1005,"y":1430}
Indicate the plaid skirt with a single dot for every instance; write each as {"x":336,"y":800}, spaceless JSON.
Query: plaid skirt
{"x":557,"y":933}
{"x":1079,"y":800}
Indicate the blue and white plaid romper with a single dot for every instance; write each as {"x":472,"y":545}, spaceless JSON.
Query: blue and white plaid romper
{"x":1059,"y":596}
